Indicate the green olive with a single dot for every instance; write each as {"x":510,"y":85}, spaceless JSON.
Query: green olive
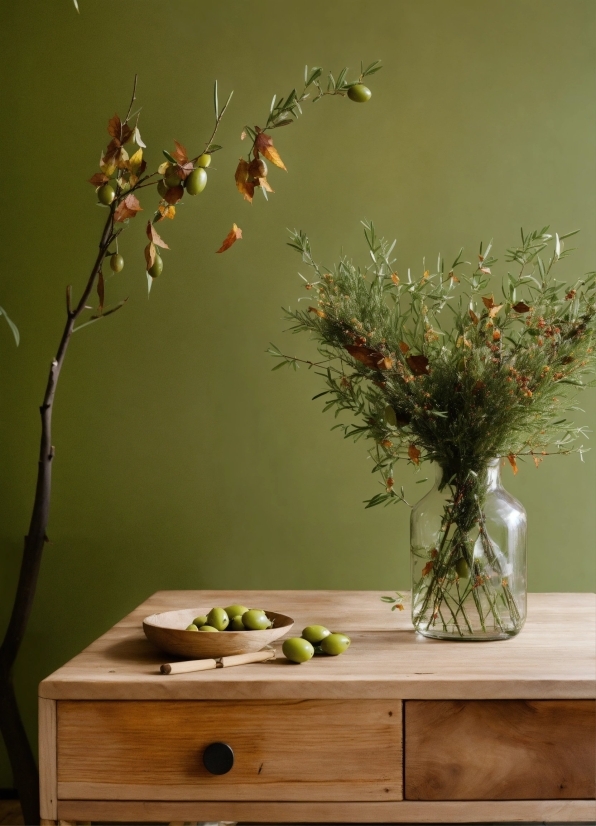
{"x":359,"y":93}
{"x":156,"y":269}
{"x":218,"y":618}
{"x":191,"y":627}
{"x":208,"y":628}
{"x":171,"y":179}
{"x":106,"y":194}
{"x":162,"y":188}
{"x":204,"y":160}
{"x":200,"y":620}
{"x":335,"y":644}
{"x":196,"y":181}
{"x":315,"y":633}
{"x":117,"y":262}
{"x":236,"y":624}
{"x":462,"y":568}
{"x":256,"y":620}
{"x":235,"y":610}
{"x":297,"y":650}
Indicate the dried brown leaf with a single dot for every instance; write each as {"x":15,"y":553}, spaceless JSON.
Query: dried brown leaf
{"x":166,"y":212}
{"x":153,"y":236}
{"x":264,"y":145}
{"x":513,"y":463}
{"x":521,"y":307}
{"x":174,"y":194}
{"x":473,"y":316}
{"x":233,"y":235}
{"x":244,"y":186}
{"x":127,"y":208}
{"x":414,"y":454}
{"x":404,"y":347}
{"x":150,"y":254}
{"x":115,"y":127}
{"x":418,"y":365}
{"x":98,"y":179}
{"x":180,"y":154}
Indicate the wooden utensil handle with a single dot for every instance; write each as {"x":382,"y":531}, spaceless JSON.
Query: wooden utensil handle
{"x":189,"y":665}
{"x":240,"y":659}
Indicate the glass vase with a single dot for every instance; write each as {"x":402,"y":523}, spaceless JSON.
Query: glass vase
{"x":468,"y":558}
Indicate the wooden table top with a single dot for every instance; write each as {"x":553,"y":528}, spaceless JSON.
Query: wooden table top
{"x":554,"y":656}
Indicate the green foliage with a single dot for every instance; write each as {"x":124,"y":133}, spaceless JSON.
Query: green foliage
{"x":435,"y":367}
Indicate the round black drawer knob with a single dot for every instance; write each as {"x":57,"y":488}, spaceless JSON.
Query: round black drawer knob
{"x":218,"y":758}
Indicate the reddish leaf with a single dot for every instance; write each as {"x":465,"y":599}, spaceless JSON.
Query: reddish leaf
{"x":404,"y":347}
{"x":180,"y":153}
{"x":115,"y":127}
{"x":127,"y":208}
{"x":264,"y":145}
{"x":473,"y":316}
{"x":100,"y":290}
{"x":98,"y":179}
{"x":414,"y":454}
{"x":257,"y":169}
{"x":395,"y":278}
{"x":150,"y":255}
{"x":427,"y":568}
{"x":521,"y":307}
{"x":153,"y":236}
{"x":418,"y":365}
{"x":174,"y":194}
{"x":513,"y":463}
{"x":369,"y":357}
{"x":233,"y":235}
{"x":244,"y":186}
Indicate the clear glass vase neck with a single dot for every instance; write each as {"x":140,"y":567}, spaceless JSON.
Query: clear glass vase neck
{"x":492,"y":475}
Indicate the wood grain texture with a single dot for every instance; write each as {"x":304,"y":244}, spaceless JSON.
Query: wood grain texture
{"x":48,"y":781}
{"x":500,"y":750}
{"x":553,"y":657}
{"x":300,"y":750}
{"x":546,"y":811}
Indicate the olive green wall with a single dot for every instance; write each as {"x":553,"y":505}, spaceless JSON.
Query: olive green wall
{"x":181,"y":460}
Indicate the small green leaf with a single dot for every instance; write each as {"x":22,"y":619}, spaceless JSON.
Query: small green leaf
{"x":169,"y":157}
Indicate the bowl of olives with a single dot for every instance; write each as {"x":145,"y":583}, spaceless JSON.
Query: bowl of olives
{"x":219,"y":632}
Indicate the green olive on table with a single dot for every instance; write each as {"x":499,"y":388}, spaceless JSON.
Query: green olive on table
{"x":191,"y":627}
{"x":235,"y":610}
{"x":359,"y":93}
{"x":200,"y":620}
{"x":218,"y":619}
{"x":335,"y":644}
{"x":315,"y":633}
{"x":236,"y":624}
{"x":256,"y":620}
{"x":297,"y":650}
{"x":208,"y":628}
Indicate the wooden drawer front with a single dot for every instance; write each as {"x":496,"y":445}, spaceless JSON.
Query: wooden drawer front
{"x":500,"y":749}
{"x":303,"y":750}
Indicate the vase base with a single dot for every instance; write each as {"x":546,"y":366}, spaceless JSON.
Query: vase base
{"x":481,"y":636}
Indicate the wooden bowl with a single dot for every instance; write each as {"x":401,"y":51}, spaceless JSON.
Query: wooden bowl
{"x":166,"y":631}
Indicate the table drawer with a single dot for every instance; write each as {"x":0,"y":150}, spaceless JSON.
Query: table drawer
{"x":326,"y":750}
{"x":500,"y":749}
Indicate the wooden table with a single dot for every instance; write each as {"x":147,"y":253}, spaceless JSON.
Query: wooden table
{"x":398,"y":729}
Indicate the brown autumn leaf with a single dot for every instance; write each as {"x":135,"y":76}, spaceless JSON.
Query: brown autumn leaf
{"x":521,"y":307}
{"x":494,"y":310}
{"x":395,"y":278}
{"x":174,"y":194}
{"x":153,"y":236}
{"x":404,"y":347}
{"x":264,"y":145}
{"x":473,"y":316}
{"x":100,"y":290}
{"x":257,"y":168}
{"x":427,"y":568}
{"x":166,"y":212}
{"x":127,"y":208}
{"x":180,"y":154}
{"x":233,"y":235}
{"x":115,"y":127}
{"x":264,"y":184}
{"x":418,"y":365}
{"x":98,"y":179}
{"x":243,"y":185}
{"x":414,"y":454}
{"x":369,"y":357}
{"x":513,"y":463}
{"x":150,"y":254}
{"x":488,"y":301}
